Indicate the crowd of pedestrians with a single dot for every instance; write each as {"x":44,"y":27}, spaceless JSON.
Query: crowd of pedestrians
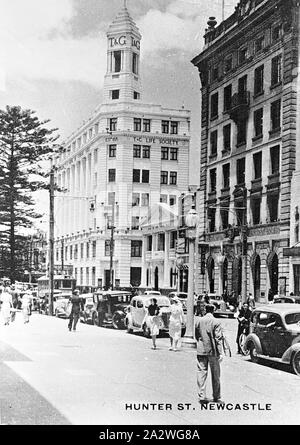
{"x":13,"y":301}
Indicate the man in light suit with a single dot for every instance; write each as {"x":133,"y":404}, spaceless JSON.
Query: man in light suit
{"x":209,"y":336}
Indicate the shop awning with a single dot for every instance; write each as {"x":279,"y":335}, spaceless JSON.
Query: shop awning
{"x":292,"y":251}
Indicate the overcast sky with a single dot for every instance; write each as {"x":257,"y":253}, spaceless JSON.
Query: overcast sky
{"x":53,"y":55}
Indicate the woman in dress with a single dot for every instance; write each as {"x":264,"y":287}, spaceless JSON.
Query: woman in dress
{"x":26,"y":303}
{"x":6,"y":306}
{"x":152,"y":317}
{"x":175,"y":324}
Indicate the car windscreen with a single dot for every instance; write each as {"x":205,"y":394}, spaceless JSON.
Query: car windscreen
{"x":293,"y":318}
{"x":161,"y":302}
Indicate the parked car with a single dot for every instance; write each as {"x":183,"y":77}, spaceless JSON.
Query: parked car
{"x":106,"y":308}
{"x":136,"y":312}
{"x":182,"y":297}
{"x":287,"y":299}
{"x":221,"y":307}
{"x":275,"y":334}
{"x":62,"y":305}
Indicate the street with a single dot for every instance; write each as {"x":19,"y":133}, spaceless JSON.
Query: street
{"x":98,"y":376}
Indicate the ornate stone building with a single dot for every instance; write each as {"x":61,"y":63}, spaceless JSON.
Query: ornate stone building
{"x":126,"y":157}
{"x":248,"y":70}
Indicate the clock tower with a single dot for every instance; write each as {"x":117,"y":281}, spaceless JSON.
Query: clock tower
{"x":122,"y":80}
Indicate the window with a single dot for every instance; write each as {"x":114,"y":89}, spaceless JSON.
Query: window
{"x":87,"y":249}
{"x":136,"y":175}
{"x":96,"y":128}
{"x":135,"y":199}
{"x":135,"y":223}
{"x":81,"y":250}
{"x":276,"y":32}
{"x":164,"y":177}
{"x":93,"y":276}
{"x":258,"y":123}
{"x":135,"y":63}
{"x":136,"y":151}
{"x":228,"y":64}
{"x":136,"y":95}
{"x":211,"y":216}
{"x":173,"y":178}
{"x":112,"y":149}
{"x":136,"y":248}
{"x":146,"y":152}
{"x":255,"y":209}
{"x":227,"y":137}
{"x":165,"y":126}
{"x":71,"y":252}
{"x":113,"y":124}
{"x":95,"y":179}
{"x":161,"y":242}
{"x":145,"y":199}
{"x":164,"y":153}
{"x":66,"y":253}
{"x":224,"y":213}
{"x":240,"y":171}
{"x":272,"y":201}
{"x":242,"y":85}
{"x":94,"y":249}
{"x":243,"y":55}
{"x":259,"y":80}
{"x":275,"y":115}
{"x":276,"y":71}
{"x":137,"y":124}
{"x":115,"y":94}
{"x":241,"y":132}
{"x":214,"y":73}
{"x":174,"y":127}
{"x":145,"y":176}
{"x":163,"y":199}
{"x":146,"y":125}
{"x":173,"y":238}
{"x":112,"y":175}
{"x":107,"y":248}
{"x":259,"y":43}
{"x":149,"y":243}
{"x":117,"y":56}
{"x":173,"y":154}
{"x":226,"y":176}
{"x":81,"y":275}
{"x":214,"y":143}
{"x":111,"y":198}
{"x":90,"y":133}
{"x":213,"y":180}
{"x":75,"y":252}
{"x":257,"y":164}
{"x":214,"y":105}
{"x":227,"y":97}
{"x":172,"y":200}
{"x":274,"y":155}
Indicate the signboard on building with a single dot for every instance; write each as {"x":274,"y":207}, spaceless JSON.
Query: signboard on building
{"x":180,"y":246}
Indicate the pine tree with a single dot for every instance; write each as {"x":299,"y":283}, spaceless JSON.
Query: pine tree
{"x":25,"y":143}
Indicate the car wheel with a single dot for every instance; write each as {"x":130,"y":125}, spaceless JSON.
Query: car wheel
{"x":95,"y":320}
{"x":242,"y":343}
{"x":128,"y":328}
{"x":296,"y":363}
{"x":253,"y":353}
{"x":146,"y":331}
{"x":118,"y":321}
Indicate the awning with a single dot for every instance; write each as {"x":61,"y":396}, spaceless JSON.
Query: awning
{"x":292,"y":251}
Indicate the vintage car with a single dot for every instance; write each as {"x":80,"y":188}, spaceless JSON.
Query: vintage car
{"x":106,"y":308}
{"x":286,"y":299}
{"x":136,"y":312}
{"x":62,"y":305}
{"x":152,"y":292}
{"x":275,"y":334}
{"x":182,"y":297}
{"x":221,"y":307}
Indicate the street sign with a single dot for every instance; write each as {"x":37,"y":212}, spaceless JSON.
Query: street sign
{"x":180,"y":246}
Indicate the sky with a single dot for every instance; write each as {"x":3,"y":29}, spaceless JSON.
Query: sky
{"x":53,"y":57}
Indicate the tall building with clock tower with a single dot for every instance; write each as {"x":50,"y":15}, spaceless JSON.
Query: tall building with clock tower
{"x":126,"y":157}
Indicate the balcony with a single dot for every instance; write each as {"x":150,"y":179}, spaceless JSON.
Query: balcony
{"x":256,"y":186}
{"x":240,"y":103}
{"x":273,"y":181}
{"x":158,"y":255}
{"x":225,"y":192}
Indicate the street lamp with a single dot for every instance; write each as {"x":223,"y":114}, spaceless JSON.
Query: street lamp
{"x":191,"y":222}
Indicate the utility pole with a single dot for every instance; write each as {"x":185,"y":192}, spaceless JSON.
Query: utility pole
{"x":111,"y":271}
{"x":51,"y":240}
{"x":62,"y":256}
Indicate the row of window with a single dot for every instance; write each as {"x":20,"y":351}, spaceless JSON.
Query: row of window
{"x":143,"y":176}
{"x":161,"y":241}
{"x":244,"y":53}
{"x":241,"y":169}
{"x":258,"y":88}
{"x":79,"y":278}
{"x":71,"y":252}
{"x":241,"y":128}
{"x":116,"y":62}
{"x":143,"y":151}
{"x":115,"y":95}
{"x":144,"y":125}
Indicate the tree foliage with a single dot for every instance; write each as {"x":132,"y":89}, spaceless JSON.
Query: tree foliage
{"x":25,"y":144}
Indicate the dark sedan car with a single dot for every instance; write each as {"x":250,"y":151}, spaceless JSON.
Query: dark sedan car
{"x":287,"y":299}
{"x":275,"y":334}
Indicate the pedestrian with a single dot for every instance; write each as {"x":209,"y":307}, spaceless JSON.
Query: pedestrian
{"x":251,"y":301}
{"x":270,"y":296}
{"x":26,"y":304}
{"x":77,"y":305}
{"x":244,"y":323}
{"x":6,"y":305}
{"x":175,"y":323}
{"x":15,"y":302}
{"x":209,"y":336}
{"x":152,"y":318}
{"x":206,"y":298}
{"x":102,"y":309}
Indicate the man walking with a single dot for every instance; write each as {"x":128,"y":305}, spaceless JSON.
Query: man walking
{"x":209,"y":336}
{"x":77,"y":305}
